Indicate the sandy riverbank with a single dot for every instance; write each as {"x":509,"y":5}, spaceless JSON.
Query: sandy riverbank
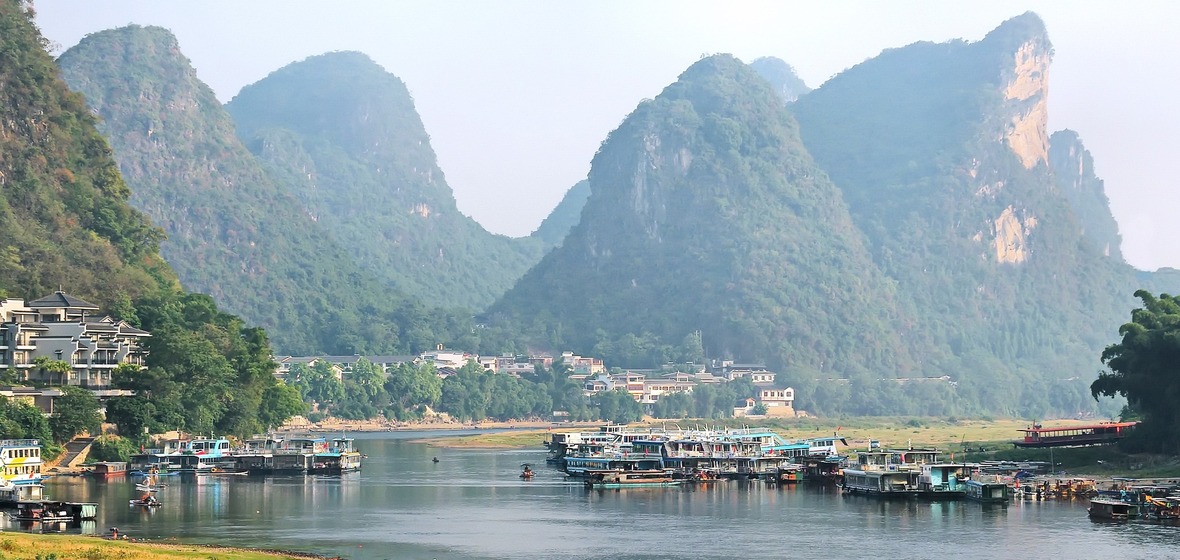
{"x":300,"y":424}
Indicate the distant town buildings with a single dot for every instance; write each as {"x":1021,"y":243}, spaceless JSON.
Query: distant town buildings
{"x":645,"y":386}
{"x":64,"y":328}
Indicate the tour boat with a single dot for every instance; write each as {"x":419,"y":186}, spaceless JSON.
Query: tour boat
{"x":614,"y":479}
{"x":20,"y":461}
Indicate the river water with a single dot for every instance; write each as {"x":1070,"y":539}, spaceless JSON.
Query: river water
{"x":472,"y":504}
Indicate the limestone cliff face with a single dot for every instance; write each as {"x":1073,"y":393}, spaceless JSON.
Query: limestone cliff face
{"x":1021,"y":52}
{"x":941,"y":152}
{"x":1010,"y":235}
{"x":1027,"y":91}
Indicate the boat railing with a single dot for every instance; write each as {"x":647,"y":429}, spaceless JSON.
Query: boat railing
{"x":20,"y":443}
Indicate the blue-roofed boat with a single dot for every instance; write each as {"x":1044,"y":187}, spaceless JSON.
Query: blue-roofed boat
{"x":894,"y":474}
{"x":825,"y":446}
{"x":204,"y":455}
{"x":943,"y":481}
{"x":340,"y":457}
{"x":581,"y":466}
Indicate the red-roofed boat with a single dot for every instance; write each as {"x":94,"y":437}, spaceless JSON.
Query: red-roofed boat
{"x":1102,"y":433}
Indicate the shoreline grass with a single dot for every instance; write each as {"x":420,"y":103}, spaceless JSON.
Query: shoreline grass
{"x":31,"y":546}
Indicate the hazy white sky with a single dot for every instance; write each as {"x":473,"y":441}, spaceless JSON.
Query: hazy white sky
{"x":517,"y":95}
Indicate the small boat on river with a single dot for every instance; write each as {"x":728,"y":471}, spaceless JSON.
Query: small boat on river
{"x":615,"y":479}
{"x":787,"y":474}
{"x":1162,"y":509}
{"x":526,"y":471}
{"x":148,"y":484}
{"x":987,"y":489}
{"x":148,"y":500}
{"x":45,"y":512}
{"x":1112,"y":510}
{"x":106,"y":470}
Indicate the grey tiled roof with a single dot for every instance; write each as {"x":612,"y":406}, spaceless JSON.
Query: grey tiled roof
{"x":62,"y":299}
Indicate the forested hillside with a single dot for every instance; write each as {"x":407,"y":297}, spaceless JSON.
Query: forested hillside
{"x":906,"y":239}
{"x":1004,"y":243}
{"x":709,"y":231}
{"x":65,"y":224}
{"x":342,"y":135}
{"x":782,"y":77}
{"x":1073,"y":173}
{"x":64,"y":218}
{"x":232,"y":232}
{"x":564,"y":216}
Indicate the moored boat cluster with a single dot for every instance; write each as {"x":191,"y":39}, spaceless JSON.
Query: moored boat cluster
{"x":258,"y":455}
{"x":616,"y":457}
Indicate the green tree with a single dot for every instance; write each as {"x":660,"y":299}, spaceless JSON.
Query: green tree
{"x":124,"y":374}
{"x":51,"y":368}
{"x":75,"y":412}
{"x":675,"y":405}
{"x":617,"y":406}
{"x":692,"y":349}
{"x":134,"y":416}
{"x":298,"y":377}
{"x":411,"y":386}
{"x":322,"y":385}
{"x":1143,"y":369}
{"x":112,"y":448}
{"x":280,"y":402}
{"x":21,"y":420}
{"x":364,"y":391}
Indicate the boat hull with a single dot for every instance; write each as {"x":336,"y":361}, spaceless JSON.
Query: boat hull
{"x":988,"y":493}
{"x":614,"y":480}
{"x":1112,"y":510}
{"x":621,"y":485}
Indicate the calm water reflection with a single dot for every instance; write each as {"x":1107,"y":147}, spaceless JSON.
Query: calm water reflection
{"x":471,"y":504}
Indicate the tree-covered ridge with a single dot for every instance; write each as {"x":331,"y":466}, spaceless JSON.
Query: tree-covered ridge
{"x":64,"y":218}
{"x":342,"y":134}
{"x":65,"y":221}
{"x":710,"y":231}
{"x":1073,"y":172}
{"x":782,"y":77}
{"x":564,"y":216}
{"x":967,"y":221}
{"x":233,"y":232}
